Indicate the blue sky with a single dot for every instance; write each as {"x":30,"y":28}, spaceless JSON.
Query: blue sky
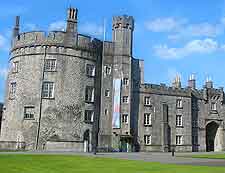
{"x":173,"y":37}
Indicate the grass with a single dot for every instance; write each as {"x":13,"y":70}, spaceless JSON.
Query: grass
{"x":12,"y":163}
{"x":209,"y":156}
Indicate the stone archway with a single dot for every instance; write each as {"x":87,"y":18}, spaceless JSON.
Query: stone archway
{"x":212,"y":136}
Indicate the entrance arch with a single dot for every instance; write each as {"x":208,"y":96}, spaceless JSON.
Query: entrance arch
{"x":86,"y":140}
{"x":211,"y":136}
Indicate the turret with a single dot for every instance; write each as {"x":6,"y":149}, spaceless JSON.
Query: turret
{"x":177,"y":82}
{"x":192,"y":82}
{"x":123,"y":27}
{"x":16,"y":29}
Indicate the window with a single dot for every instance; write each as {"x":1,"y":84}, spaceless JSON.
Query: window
{"x":15,"y":67}
{"x":179,"y":120}
{"x":48,"y":90}
{"x":179,"y":103}
{"x":213,"y":107}
{"x":107,"y":93}
{"x":148,"y":139}
{"x":12,"y":91}
{"x":125,"y":118}
{"x":106,"y":111}
{"x":125,"y":81}
{"x":125,"y":99}
{"x":147,"y":119}
{"x":89,"y":94}
{"x":195,"y":140}
{"x":50,"y":65}
{"x":147,"y":101}
{"x":89,"y":116}
{"x":179,"y":140}
{"x":108,"y":70}
{"x":90,"y":70}
{"x":29,"y":112}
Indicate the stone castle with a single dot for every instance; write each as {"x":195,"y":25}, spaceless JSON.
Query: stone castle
{"x":68,"y":91}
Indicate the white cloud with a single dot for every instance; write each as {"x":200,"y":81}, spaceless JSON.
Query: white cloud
{"x":165,"y":24}
{"x":3,"y":72}
{"x":57,"y":26}
{"x":92,"y":29}
{"x":181,"y":28}
{"x":31,"y":27}
{"x":205,"y":46}
{"x":4,"y":45}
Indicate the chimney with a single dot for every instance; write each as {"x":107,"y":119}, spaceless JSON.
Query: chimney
{"x":71,"y":20}
{"x":177,"y":82}
{"x":16,"y":29}
{"x":209,"y":83}
{"x":192,"y":82}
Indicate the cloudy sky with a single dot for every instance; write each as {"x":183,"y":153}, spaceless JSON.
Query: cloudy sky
{"x":173,"y":37}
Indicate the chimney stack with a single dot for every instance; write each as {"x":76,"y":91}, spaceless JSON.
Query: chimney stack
{"x":192,"y":82}
{"x":177,"y":82}
{"x":209,"y":83}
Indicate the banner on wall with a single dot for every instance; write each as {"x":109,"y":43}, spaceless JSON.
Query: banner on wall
{"x":116,"y":104}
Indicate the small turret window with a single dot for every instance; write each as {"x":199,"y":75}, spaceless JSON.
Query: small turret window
{"x":50,"y":65}
{"x":89,"y":94}
{"x":15,"y":67}
{"x":48,"y":90}
{"x":89,"y":116}
{"x":90,"y":70}
{"x":12,"y":91}
{"x":29,"y":112}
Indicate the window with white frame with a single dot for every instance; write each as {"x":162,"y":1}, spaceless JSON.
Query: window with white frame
{"x":179,"y":120}
{"x":125,"y":81}
{"x":125,"y":118}
{"x":179,"y":103}
{"x":213,"y":107}
{"x":89,"y":116}
{"x":48,"y":90}
{"x":90,"y":70}
{"x":179,"y":140}
{"x":147,"y":119}
{"x":125,"y":99}
{"x":147,"y":101}
{"x":107,"y":93}
{"x":147,"y":139}
{"x":89,"y":94}
{"x":29,"y":112}
{"x":107,"y":70}
{"x":50,"y":65}
{"x":15,"y":67}
{"x":12,"y":91}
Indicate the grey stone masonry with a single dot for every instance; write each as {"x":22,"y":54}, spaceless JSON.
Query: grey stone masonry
{"x":71,"y":92}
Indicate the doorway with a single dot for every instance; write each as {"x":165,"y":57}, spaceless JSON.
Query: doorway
{"x":211,"y":131}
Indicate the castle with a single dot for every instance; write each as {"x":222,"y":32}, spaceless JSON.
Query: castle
{"x":68,"y":91}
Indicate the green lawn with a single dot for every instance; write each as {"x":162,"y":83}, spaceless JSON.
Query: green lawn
{"x":78,"y":164}
{"x":210,"y":156}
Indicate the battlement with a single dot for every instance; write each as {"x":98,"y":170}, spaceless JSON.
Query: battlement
{"x":54,"y":38}
{"x":123,"y":22}
{"x":166,"y":90}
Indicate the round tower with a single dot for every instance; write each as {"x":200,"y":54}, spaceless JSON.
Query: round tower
{"x":51,"y":89}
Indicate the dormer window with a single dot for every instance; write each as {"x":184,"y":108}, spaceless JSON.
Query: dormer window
{"x":179,"y":103}
{"x":147,"y":101}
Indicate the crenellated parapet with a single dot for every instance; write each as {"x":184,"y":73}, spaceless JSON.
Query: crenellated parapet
{"x":54,"y":39}
{"x":123,"y":22}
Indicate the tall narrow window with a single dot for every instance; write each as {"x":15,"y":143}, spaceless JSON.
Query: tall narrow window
{"x":50,"y":65}
{"x":125,"y":81}
{"x":15,"y":67}
{"x":213,"y":106}
{"x":29,"y":112}
{"x":107,"y":93}
{"x":90,"y":70}
{"x":89,"y":116}
{"x":107,"y":70}
{"x":89,"y":94}
{"x":48,"y":90}
{"x":179,"y":120}
{"x":147,"y":119}
{"x":179,"y":140}
{"x":179,"y":103}
{"x":12,"y":91}
{"x":147,"y":101}
{"x":125,"y":118}
{"x":148,"y":139}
